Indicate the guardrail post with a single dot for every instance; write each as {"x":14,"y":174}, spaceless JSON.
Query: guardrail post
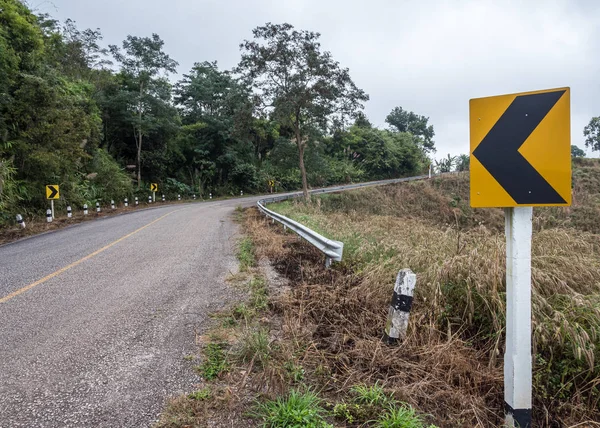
{"x":328,"y":262}
{"x":49,"y":215}
{"x":69,"y":211}
{"x":397,"y":321}
{"x":20,"y":221}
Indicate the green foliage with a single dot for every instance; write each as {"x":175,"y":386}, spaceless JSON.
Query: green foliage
{"x":294,"y":371}
{"x":200,"y":395}
{"x":255,"y":345}
{"x":67,"y":119}
{"x":591,"y":132}
{"x":296,"y":410}
{"x":373,"y":395}
{"x":407,"y":121}
{"x":245,"y":254}
{"x":215,"y":361}
{"x":400,"y":417}
{"x":576,"y":152}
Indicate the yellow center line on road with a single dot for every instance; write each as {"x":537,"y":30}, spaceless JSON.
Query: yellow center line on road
{"x":72,"y":265}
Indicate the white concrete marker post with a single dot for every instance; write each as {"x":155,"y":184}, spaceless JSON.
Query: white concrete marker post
{"x":126,"y":202}
{"x":194,"y":196}
{"x":136,"y":201}
{"x":210,"y":195}
{"x":69,"y":212}
{"x":20,"y":221}
{"x":153,"y":196}
{"x":179,"y":197}
{"x":430,"y":167}
{"x":85,"y":209}
{"x":517,"y":356}
{"x":149,"y":199}
{"x":49,"y":215}
{"x":112,"y":204}
{"x":52,"y":208}
{"x":163,"y":198}
{"x":98,"y":207}
{"x":399,"y":312}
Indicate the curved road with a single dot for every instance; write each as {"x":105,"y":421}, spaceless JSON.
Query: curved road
{"x":96,"y":319}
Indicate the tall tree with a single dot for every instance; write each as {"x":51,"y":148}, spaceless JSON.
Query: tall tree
{"x":576,"y":152}
{"x":592,"y":134}
{"x":301,"y":86}
{"x":401,"y":120}
{"x":144,"y":64}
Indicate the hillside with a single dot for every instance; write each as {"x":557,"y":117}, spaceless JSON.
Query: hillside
{"x":451,"y":364}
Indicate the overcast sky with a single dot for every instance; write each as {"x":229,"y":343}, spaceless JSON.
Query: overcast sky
{"x":428,"y":56}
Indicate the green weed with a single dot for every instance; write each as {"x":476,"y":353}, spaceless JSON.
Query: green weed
{"x":255,"y":345}
{"x":200,"y":395}
{"x":298,"y":409}
{"x":373,"y":395}
{"x":400,"y":417}
{"x":245,"y":254}
{"x":215,"y":361}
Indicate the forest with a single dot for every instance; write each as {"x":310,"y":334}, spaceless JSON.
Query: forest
{"x":105,"y":121}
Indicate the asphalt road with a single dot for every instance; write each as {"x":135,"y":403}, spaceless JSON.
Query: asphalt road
{"x":96,"y":319}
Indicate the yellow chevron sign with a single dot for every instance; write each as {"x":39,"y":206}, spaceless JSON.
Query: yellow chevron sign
{"x":521,"y":149}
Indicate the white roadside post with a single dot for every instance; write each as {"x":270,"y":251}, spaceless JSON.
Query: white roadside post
{"x":85,"y":209}
{"x":52,"y":208}
{"x":430,"y":167}
{"x":399,"y":312}
{"x":517,"y":356}
{"x":69,"y":211}
{"x":49,"y":215}
{"x":149,"y":199}
{"x":20,"y":221}
{"x":163,"y":198}
{"x":179,"y":197}
{"x":241,"y":193}
{"x":153,"y":197}
{"x":112,"y":204}
{"x":136,"y":201}
{"x":210,"y":195}
{"x":126,"y":202}
{"x":98,"y":207}
{"x":194,"y":196}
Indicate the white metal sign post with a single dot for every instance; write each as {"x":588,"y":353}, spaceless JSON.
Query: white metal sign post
{"x":517,"y":355}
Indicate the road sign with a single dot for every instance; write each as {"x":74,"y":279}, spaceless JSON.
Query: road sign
{"x":52,"y":191}
{"x":154,"y":187}
{"x":521,"y":149}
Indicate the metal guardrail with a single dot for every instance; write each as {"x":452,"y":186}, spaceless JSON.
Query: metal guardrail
{"x":333,"y":250}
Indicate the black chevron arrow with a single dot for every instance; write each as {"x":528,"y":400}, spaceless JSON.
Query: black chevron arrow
{"x":53,"y":192}
{"x":498,"y":153}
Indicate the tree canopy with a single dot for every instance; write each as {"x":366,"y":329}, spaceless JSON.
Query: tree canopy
{"x":288,"y":113}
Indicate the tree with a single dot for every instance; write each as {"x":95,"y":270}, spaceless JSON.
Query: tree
{"x":406,"y":121}
{"x":576,"y":152}
{"x":592,"y":134}
{"x":463,"y":163}
{"x":142,"y":63}
{"x":445,"y":164}
{"x":301,"y":86}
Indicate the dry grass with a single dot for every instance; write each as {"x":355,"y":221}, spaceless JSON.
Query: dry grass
{"x":450,"y":366}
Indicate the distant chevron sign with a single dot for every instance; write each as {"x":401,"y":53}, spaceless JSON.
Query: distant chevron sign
{"x":52,"y":191}
{"x":521,"y":149}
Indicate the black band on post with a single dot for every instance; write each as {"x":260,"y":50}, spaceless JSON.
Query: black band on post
{"x":522,"y":417}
